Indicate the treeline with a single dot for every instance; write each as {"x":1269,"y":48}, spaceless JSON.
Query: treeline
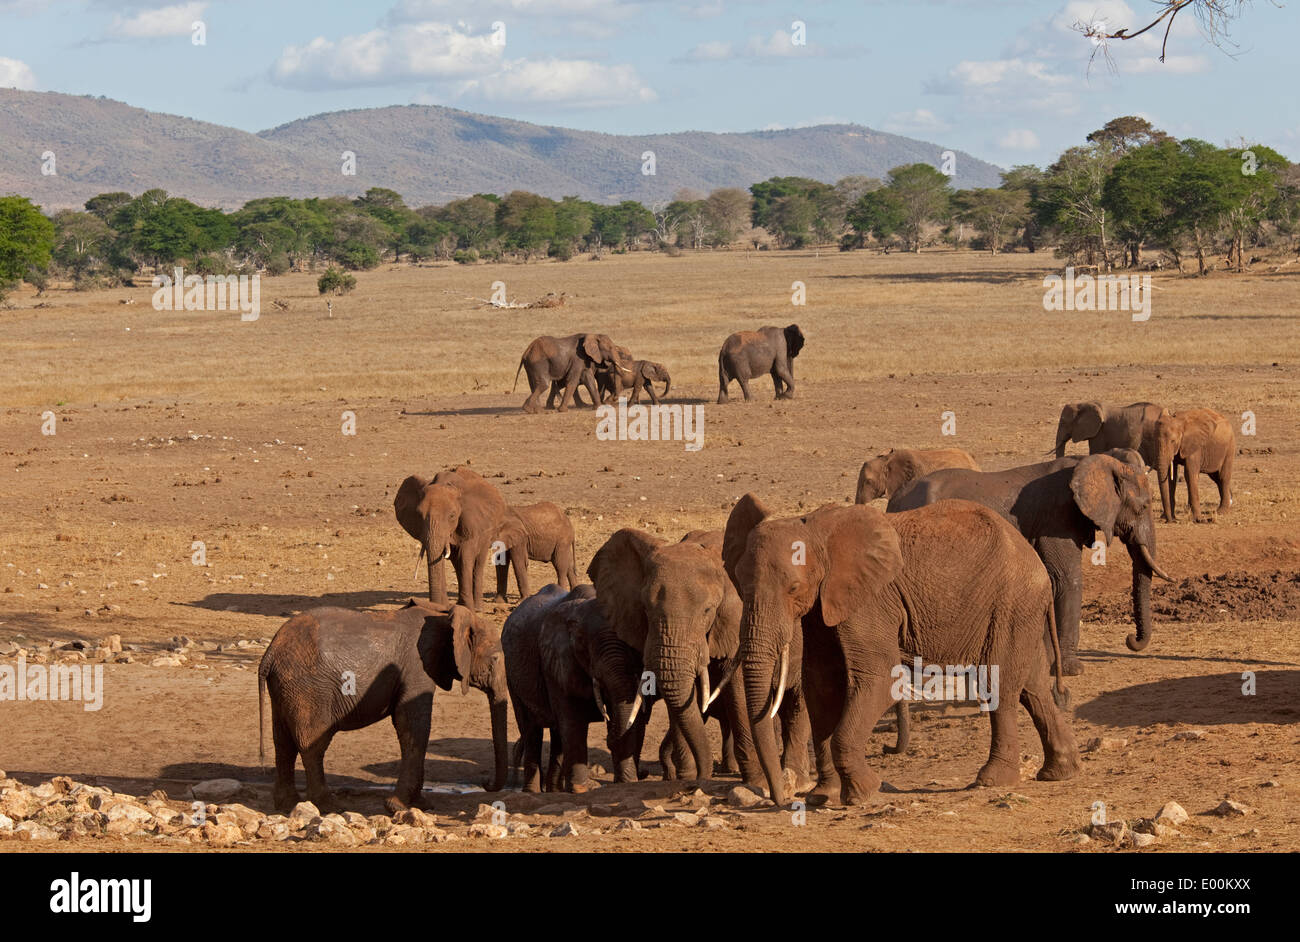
{"x":1129,"y":189}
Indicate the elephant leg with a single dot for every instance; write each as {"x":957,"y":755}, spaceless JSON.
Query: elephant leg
{"x":1060,"y":752}
{"x":556,"y":761}
{"x":1192,"y":470}
{"x":667,"y":761}
{"x":285,"y":794}
{"x":519,"y":562}
{"x":1063,"y":564}
{"x":538,"y":384}
{"x":743,"y":379}
{"x":737,"y":713}
{"x":573,"y":771}
{"x":531,"y":737}
{"x":796,"y":731}
{"x":824,"y":692}
{"x":867,"y":688}
{"x":723,"y":380}
{"x":1221,"y":479}
{"x":503,"y":581}
{"x":650,"y":391}
{"x":313,"y":763}
{"x":411,"y":722}
{"x":903,"y":719}
{"x":1003,"y":765}
{"x":781,"y":371}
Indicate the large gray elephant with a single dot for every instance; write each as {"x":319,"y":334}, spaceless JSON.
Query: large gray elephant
{"x":566,"y":668}
{"x":674,"y":603}
{"x":457,"y":514}
{"x":568,"y":360}
{"x":1058,"y":506}
{"x":953,"y":584}
{"x":750,"y":353}
{"x":331,"y":669}
{"x":1132,"y":426}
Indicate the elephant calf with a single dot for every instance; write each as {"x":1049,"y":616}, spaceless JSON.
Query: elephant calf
{"x":541,"y":532}
{"x":566,"y":669}
{"x":645,"y":373}
{"x":1202,"y":442}
{"x":885,"y":475}
{"x":331,"y":669}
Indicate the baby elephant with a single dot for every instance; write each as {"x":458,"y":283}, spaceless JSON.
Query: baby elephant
{"x":885,"y":475}
{"x":645,"y":373}
{"x":567,"y":669}
{"x":331,"y":669}
{"x":541,"y":532}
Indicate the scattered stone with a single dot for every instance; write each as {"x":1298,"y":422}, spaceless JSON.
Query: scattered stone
{"x":303,"y":813}
{"x":415,"y":817}
{"x":688,"y":818}
{"x":1231,"y":809}
{"x":34,"y":831}
{"x":713,"y":823}
{"x":627,"y":824}
{"x":1172,"y":814}
{"x":518,"y":829}
{"x":1143,"y":840}
{"x":1188,"y":735}
{"x":1100,"y":744}
{"x":216,"y":790}
{"x":166,"y":662}
{"x":494,"y":831}
{"x":1113,"y":832}
{"x":741,"y":797}
{"x":567,"y":829}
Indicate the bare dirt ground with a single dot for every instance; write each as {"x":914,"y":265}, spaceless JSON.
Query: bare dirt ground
{"x":176,"y":427}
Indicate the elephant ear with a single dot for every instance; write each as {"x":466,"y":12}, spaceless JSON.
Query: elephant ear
{"x":724,"y":636}
{"x":1095,"y":485}
{"x":558,"y":648}
{"x":1087,"y":421}
{"x":862,"y":557}
{"x":462,"y":644}
{"x":901,"y":467}
{"x":748,"y":513}
{"x":591,"y":348}
{"x":618,"y":570}
{"x":793,"y":340}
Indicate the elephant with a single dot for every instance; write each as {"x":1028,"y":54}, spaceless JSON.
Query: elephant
{"x":1103,"y":429}
{"x":604,"y":377}
{"x":331,"y":669}
{"x":750,"y":353}
{"x":674,"y":604}
{"x":457,"y":514}
{"x":1058,"y":506}
{"x":884,"y":475}
{"x":566,"y":668}
{"x":542,"y":532}
{"x":550,"y":360}
{"x":644,"y":374}
{"x":1202,"y":442}
{"x":952,"y":583}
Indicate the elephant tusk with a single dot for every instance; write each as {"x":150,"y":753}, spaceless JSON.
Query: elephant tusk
{"x":726,"y":679}
{"x":780,"y":686}
{"x":622,"y":368}
{"x":705,"y":697}
{"x":600,"y":701}
{"x":418,"y":558}
{"x":635,"y":712}
{"x":1150,"y":561}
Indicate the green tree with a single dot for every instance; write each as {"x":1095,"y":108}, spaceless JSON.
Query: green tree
{"x":81,"y":241}
{"x":1070,"y":204}
{"x":26,"y":242}
{"x":877,"y":214}
{"x":1139,"y":194}
{"x":921,"y":194}
{"x":995,"y":214}
{"x":526,"y":222}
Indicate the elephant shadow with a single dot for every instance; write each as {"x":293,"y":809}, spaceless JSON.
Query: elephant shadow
{"x":992,"y":276}
{"x":1208,"y":700}
{"x":475,"y":410}
{"x":264,"y":603}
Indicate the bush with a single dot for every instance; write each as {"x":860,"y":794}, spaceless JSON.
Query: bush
{"x":465,"y":256}
{"x":210,"y":265}
{"x":335,"y":282}
{"x":358,"y":256}
{"x":278,"y":264}
{"x":563,"y":251}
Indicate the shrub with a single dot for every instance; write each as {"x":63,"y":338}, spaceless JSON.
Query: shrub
{"x":278,"y":264}
{"x":335,"y":281}
{"x":465,"y":256}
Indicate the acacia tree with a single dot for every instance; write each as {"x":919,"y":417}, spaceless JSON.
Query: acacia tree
{"x":1139,"y":194}
{"x":726,"y":214}
{"x":26,"y":241}
{"x":995,"y":214}
{"x":921,"y":195}
{"x":1070,"y":203}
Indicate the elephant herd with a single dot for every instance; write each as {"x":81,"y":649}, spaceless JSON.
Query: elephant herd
{"x":559,"y":367}
{"x":790,"y":631}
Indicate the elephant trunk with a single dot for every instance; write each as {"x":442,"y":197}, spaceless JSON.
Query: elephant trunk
{"x":759,"y":671}
{"x":1062,"y":437}
{"x":499,"y":744}
{"x":620,"y":738}
{"x":677,"y":669}
{"x":668,"y":381}
{"x":437,"y":543}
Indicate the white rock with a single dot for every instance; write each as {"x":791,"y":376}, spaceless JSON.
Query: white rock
{"x":216,"y":790}
{"x":1172,"y":814}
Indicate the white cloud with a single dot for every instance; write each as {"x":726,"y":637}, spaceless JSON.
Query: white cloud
{"x":779,"y":45}
{"x":174,"y":20}
{"x":715,"y":51}
{"x":418,"y":52}
{"x":15,"y":74}
{"x":1019,"y":139}
{"x":575,"y":83}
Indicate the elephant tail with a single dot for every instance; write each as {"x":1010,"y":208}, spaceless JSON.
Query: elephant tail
{"x":261,"y":722}
{"x":517,"y":372}
{"x":1062,"y":696}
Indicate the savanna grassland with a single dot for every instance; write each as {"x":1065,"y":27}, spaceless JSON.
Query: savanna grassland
{"x":176,"y":427}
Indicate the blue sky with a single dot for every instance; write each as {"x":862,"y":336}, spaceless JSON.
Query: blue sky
{"x":1008,"y":81}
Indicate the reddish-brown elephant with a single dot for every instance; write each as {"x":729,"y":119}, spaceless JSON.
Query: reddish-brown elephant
{"x":1200,"y":441}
